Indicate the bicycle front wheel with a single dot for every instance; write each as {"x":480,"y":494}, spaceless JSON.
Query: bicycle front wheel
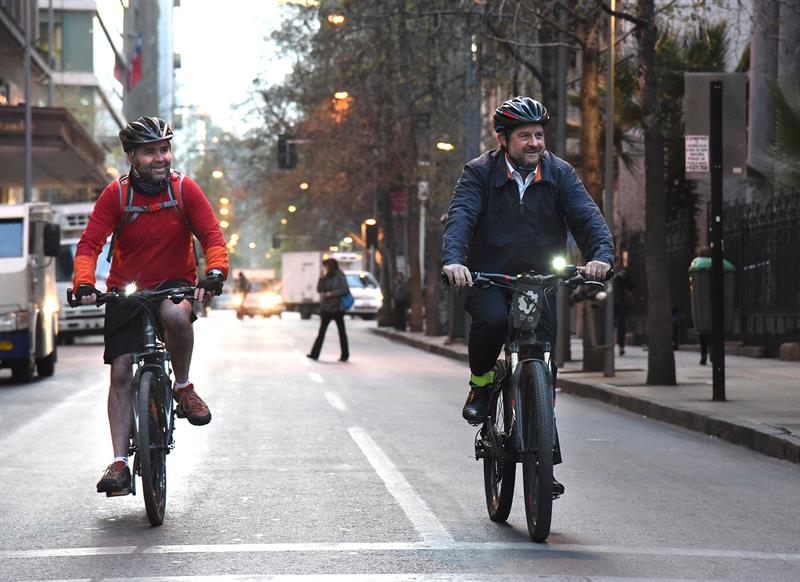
{"x":499,"y":470}
{"x":152,"y":452}
{"x":537,"y":458}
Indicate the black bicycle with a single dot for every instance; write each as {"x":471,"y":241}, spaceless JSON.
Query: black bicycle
{"x":520,"y":421}
{"x":153,"y":408}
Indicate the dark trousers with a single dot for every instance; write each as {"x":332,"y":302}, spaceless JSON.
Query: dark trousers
{"x":489,"y":311}
{"x":622,"y":317}
{"x":325,"y":319}
{"x":400,"y":308}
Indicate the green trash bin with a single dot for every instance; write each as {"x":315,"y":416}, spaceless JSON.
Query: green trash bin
{"x":700,"y":293}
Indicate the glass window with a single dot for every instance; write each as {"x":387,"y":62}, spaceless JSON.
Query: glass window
{"x":361,"y":280}
{"x":66,"y":258}
{"x":11,"y":237}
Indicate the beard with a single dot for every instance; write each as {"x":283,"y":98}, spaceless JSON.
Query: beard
{"x":526,"y":161}
{"x":155,"y":174}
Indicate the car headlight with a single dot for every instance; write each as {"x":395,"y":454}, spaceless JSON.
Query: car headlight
{"x":14,"y":320}
{"x":270,"y":299}
{"x":237,"y":299}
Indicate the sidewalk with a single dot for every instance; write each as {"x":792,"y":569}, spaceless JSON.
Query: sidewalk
{"x":762,"y":411}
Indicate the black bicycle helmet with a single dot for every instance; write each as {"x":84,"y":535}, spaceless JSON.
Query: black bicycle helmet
{"x":519,"y":111}
{"x":144,"y":130}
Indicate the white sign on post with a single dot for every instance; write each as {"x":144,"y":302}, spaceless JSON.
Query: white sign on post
{"x":697,"y":153}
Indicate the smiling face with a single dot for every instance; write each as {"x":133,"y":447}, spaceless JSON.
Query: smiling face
{"x":525,"y":144}
{"x":152,"y":161}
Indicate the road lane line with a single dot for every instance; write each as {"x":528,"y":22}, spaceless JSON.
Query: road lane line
{"x":442,"y":546}
{"x":440,"y":577}
{"x":336,"y":401}
{"x":317,"y":377}
{"x":425,"y":522}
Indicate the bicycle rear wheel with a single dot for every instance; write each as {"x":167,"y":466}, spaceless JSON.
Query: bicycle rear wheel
{"x":499,"y":471}
{"x":537,"y":459}
{"x":152,"y":452}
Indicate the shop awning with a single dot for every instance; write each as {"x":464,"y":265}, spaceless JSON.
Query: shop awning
{"x":63,"y":153}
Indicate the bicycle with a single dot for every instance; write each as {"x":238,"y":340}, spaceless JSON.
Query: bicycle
{"x":153,"y":408}
{"x":520,"y":421}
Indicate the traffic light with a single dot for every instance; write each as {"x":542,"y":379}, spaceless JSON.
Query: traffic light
{"x":371,"y":235}
{"x":287,"y":152}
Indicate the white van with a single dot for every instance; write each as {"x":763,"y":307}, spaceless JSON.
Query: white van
{"x":28,"y":303}
{"x":367,"y":294}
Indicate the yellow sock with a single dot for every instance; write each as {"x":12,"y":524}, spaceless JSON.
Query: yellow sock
{"x":483,"y":380}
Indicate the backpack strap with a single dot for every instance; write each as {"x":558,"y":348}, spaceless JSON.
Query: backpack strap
{"x":131,"y":212}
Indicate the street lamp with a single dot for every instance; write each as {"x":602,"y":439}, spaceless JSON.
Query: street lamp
{"x":292,"y":208}
{"x":224,"y":224}
{"x":445,"y":146}
{"x":217,"y":174}
{"x":224,"y":201}
{"x":224,"y":211}
{"x":284,"y":221}
{"x":336,"y":19}
{"x":304,"y":185}
{"x":252,"y":245}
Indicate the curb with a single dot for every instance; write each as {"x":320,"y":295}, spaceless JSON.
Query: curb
{"x":763,"y":439}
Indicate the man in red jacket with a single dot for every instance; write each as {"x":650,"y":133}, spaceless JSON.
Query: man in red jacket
{"x":153,"y":213}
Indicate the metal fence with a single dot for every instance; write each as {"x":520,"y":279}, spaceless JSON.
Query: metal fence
{"x":762,"y":240}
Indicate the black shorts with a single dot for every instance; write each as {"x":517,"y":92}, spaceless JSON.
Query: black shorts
{"x":124,"y":322}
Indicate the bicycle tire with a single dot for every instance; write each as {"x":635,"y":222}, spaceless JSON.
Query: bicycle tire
{"x":499,"y":470}
{"x":152,"y":451}
{"x":537,"y":459}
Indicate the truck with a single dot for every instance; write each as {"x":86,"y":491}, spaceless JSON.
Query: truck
{"x":300,"y":272}
{"x":29,"y":306}
{"x":85,"y":319}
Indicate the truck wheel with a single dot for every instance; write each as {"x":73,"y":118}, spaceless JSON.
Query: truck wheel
{"x":22,"y":371}
{"x":305,"y":315}
{"x":46,"y":366}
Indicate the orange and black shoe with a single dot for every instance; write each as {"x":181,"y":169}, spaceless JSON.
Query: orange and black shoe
{"x":116,"y":478}
{"x":474,"y":411}
{"x":191,"y":406}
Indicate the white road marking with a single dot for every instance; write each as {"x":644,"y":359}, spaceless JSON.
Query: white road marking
{"x":425,"y":522}
{"x":336,"y":401}
{"x":443,"y":577}
{"x":441,"y":545}
{"x":317,"y":377}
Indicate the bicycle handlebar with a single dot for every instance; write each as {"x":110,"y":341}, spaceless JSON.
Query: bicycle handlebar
{"x":179,"y":293}
{"x":571,"y":276}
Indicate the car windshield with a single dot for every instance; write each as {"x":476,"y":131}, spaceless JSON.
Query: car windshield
{"x":361,"y":280}
{"x":259,"y":286}
{"x":66,"y":259}
{"x":11,"y":237}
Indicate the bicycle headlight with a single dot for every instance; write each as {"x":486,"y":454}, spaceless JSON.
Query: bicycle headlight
{"x":559,"y":264}
{"x":130,"y":288}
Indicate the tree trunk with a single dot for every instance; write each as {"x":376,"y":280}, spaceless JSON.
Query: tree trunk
{"x":660,"y":357}
{"x":593,"y":355}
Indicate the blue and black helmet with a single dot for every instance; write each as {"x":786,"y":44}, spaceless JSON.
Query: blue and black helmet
{"x":519,"y":111}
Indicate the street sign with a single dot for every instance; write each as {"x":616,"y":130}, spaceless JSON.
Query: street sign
{"x":697,"y":153}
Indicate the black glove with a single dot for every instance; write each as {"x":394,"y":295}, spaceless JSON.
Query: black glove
{"x":84,"y":290}
{"x":212,"y":282}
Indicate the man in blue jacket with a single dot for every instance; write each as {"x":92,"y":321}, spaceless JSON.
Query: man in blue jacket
{"x":509,"y":214}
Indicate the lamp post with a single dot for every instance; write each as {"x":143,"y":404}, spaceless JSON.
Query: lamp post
{"x":608,"y":194}
{"x":422,"y":193}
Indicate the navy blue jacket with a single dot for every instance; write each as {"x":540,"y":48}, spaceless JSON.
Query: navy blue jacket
{"x":488,"y":228}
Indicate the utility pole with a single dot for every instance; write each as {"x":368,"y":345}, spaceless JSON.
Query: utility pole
{"x":563,"y":352}
{"x":608,"y":195}
{"x":29,"y":7}
{"x":717,"y":286}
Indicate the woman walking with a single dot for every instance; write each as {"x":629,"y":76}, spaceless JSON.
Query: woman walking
{"x":331,"y":287}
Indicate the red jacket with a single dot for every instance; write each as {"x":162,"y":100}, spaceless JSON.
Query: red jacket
{"x":156,"y":246}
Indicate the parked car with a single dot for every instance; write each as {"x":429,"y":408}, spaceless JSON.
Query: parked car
{"x":367,"y":294}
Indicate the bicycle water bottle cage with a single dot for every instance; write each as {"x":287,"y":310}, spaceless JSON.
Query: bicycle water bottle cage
{"x":526,"y":306}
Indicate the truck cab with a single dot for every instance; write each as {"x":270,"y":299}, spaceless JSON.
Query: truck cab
{"x":85,"y":319}
{"x":29,"y":242}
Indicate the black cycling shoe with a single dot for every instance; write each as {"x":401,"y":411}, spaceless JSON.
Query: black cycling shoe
{"x":558,"y":489}
{"x":474,"y":411}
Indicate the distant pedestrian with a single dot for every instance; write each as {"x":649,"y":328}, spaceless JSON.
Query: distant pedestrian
{"x":401,"y":301}
{"x":704,"y":337}
{"x":332,"y":285}
{"x":623,"y":298}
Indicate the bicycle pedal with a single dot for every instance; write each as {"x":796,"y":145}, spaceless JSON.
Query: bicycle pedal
{"x":120,"y":493}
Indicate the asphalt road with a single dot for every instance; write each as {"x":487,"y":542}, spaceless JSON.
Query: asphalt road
{"x":364,"y":471}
